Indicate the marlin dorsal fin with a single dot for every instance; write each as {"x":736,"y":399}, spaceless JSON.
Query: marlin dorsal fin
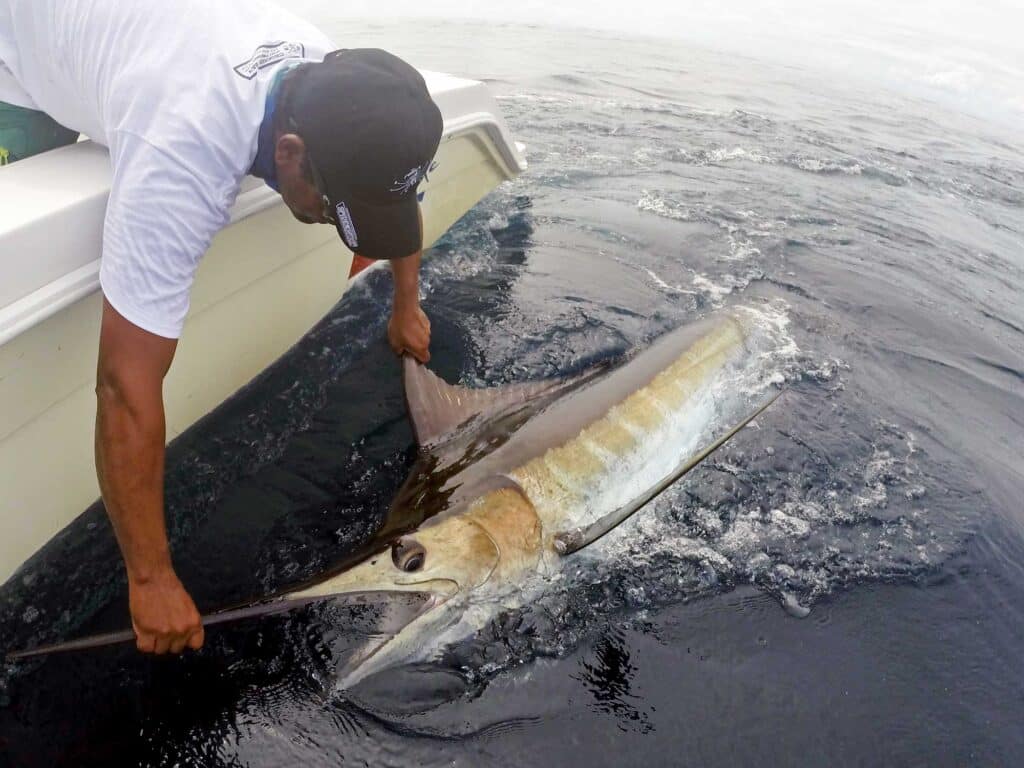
{"x":437,"y":409}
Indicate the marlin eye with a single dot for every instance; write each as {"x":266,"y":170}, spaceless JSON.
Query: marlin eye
{"x":408,"y":555}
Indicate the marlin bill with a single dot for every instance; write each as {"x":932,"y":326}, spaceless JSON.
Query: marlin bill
{"x":511,"y":481}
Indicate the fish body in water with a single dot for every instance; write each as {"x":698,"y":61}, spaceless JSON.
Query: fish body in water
{"x":510,"y":480}
{"x":504,"y":473}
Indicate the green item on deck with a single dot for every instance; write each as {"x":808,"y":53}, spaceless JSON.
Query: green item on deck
{"x":26,"y":132}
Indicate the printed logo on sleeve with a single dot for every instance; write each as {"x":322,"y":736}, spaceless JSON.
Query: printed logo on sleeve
{"x":347,"y":227}
{"x":268,"y":54}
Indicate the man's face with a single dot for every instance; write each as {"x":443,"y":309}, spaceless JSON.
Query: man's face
{"x":296,"y":183}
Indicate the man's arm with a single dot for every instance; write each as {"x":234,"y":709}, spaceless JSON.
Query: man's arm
{"x":409,"y":328}
{"x":130,"y":435}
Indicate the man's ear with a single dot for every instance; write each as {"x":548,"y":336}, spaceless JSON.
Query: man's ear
{"x":289,"y":149}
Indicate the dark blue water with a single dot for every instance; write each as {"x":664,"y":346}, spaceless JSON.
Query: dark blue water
{"x":877,"y":240}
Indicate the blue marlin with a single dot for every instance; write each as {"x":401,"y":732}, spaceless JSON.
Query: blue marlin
{"x":510,"y":481}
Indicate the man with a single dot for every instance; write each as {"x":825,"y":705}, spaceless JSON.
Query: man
{"x":190,"y":96}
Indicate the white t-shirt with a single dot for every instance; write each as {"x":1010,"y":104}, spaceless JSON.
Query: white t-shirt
{"x":177,"y":90}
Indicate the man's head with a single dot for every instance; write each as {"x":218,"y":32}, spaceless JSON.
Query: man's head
{"x":354,"y":135}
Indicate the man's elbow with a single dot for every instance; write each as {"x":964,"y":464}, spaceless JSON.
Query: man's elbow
{"x":112,"y":385}
{"x":129,"y":395}
{"x":131,"y":368}
{"x":108,"y":388}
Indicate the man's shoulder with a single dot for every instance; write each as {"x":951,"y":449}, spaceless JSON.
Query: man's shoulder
{"x":201,"y":96}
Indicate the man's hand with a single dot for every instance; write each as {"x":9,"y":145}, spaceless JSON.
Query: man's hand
{"x":409,"y":331}
{"x":163,"y":615}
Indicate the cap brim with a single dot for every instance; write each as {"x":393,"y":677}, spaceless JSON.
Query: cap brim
{"x":390,"y":231}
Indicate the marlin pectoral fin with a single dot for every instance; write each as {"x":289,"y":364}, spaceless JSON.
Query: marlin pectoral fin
{"x":567,"y":542}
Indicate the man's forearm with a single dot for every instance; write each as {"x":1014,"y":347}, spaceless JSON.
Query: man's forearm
{"x":130,"y":467}
{"x":409,"y":327}
{"x":406,"y":274}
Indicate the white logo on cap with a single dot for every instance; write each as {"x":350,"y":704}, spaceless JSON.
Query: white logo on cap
{"x":345,"y":220}
{"x":410,"y":180}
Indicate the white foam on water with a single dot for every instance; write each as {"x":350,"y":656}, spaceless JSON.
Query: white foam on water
{"x":816,"y":165}
{"x":537,"y":98}
{"x":741,"y":249}
{"x":666,"y":286}
{"x":775,"y":355}
{"x":718,"y":156}
{"x":714,"y":291}
{"x":498,"y":220}
{"x":654,"y":203}
{"x":740,"y":227}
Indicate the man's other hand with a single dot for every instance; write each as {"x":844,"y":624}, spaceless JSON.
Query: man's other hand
{"x":163,"y":615}
{"x":409,"y":331}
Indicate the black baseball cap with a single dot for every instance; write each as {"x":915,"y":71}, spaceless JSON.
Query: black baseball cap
{"x":371,"y":131}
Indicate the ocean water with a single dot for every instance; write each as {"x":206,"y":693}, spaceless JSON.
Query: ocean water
{"x":843,"y":585}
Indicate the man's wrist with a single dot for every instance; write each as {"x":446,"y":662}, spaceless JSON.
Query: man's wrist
{"x":405,"y":301}
{"x":406,"y":275}
{"x":406,"y":293}
{"x":154,"y":570}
